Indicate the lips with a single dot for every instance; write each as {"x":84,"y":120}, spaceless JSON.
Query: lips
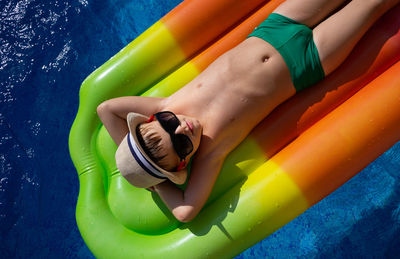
{"x":190,"y":126}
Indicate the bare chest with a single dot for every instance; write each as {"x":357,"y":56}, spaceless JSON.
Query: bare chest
{"x":236,"y":92}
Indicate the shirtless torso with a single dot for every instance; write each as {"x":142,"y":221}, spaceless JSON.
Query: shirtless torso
{"x":234,"y":94}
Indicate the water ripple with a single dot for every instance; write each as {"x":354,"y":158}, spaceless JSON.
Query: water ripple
{"x":30,"y":39}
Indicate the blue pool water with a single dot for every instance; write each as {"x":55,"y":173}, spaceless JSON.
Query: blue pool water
{"x":47,"y":48}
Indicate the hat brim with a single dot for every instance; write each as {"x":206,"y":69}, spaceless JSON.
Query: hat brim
{"x":133,"y":120}
{"x":130,"y":168}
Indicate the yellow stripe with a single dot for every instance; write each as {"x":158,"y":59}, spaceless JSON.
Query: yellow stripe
{"x":174,"y":81}
{"x":157,"y":43}
{"x":273,"y":196}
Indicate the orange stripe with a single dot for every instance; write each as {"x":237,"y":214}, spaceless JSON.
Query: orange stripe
{"x":346,"y":140}
{"x":378,"y":50}
{"x":234,"y":37}
{"x":195,"y":24}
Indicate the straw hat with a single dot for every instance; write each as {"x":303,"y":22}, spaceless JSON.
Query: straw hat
{"x":135,"y":165}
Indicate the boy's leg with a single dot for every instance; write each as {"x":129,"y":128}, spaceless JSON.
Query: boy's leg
{"x":336,"y":36}
{"x":308,"y":12}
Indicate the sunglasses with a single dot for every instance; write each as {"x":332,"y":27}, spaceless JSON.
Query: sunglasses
{"x":169,"y":122}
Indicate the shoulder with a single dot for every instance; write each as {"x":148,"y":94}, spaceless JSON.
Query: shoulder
{"x":208,"y":161}
{"x":210,"y":150}
{"x":213,"y":147}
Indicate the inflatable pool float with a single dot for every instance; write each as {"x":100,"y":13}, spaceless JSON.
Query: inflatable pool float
{"x":308,"y":147}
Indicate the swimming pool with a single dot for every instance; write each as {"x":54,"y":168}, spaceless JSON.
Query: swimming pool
{"x":47,"y":49}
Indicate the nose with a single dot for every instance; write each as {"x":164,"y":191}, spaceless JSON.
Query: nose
{"x":181,"y":129}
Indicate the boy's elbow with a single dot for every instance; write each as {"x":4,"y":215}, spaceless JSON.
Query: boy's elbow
{"x":102,"y":108}
{"x":184,"y":213}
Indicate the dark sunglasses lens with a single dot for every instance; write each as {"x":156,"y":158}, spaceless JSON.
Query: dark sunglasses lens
{"x":168,"y":121}
{"x":182,"y":145}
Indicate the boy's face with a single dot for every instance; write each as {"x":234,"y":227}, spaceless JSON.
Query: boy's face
{"x":189,"y":126}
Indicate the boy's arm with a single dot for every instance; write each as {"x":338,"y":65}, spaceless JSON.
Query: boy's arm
{"x":113,"y":113}
{"x":186,"y":205}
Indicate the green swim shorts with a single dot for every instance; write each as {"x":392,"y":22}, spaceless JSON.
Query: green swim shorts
{"x":294,"y":41}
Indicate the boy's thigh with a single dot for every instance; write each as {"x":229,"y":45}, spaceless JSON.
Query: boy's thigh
{"x":308,"y":12}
